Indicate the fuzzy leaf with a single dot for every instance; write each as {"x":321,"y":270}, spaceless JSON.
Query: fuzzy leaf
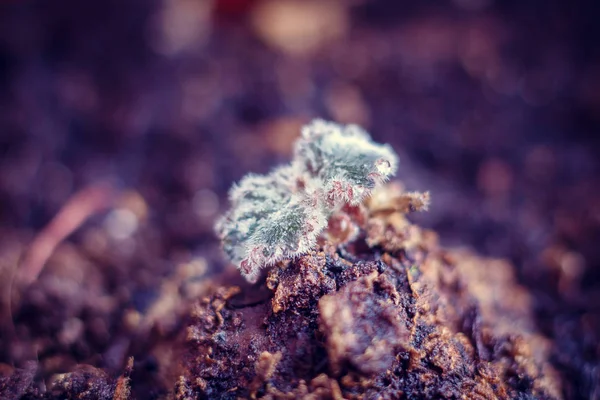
{"x":344,"y":156}
{"x":280,"y":215}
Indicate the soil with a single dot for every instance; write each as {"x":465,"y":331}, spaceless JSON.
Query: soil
{"x":122,"y":125}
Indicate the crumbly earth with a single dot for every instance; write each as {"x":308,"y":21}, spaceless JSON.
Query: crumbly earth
{"x":390,"y":314}
{"x":421,"y":322}
{"x":84,"y":383}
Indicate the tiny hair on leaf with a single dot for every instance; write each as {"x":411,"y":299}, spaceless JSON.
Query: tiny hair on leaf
{"x":280,"y":215}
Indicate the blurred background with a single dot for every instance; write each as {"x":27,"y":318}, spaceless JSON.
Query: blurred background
{"x":123,"y":124}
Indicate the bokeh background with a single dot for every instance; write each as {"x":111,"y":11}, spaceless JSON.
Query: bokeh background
{"x":123,"y":124}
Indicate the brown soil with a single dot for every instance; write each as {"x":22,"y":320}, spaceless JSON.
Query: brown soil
{"x":424,"y":322}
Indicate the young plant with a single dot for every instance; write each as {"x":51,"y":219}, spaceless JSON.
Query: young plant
{"x":280,"y":215}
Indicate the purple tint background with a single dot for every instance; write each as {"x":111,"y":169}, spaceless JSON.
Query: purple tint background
{"x":493,"y":106}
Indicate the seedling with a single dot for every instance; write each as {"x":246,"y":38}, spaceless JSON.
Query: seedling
{"x":280,"y":215}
